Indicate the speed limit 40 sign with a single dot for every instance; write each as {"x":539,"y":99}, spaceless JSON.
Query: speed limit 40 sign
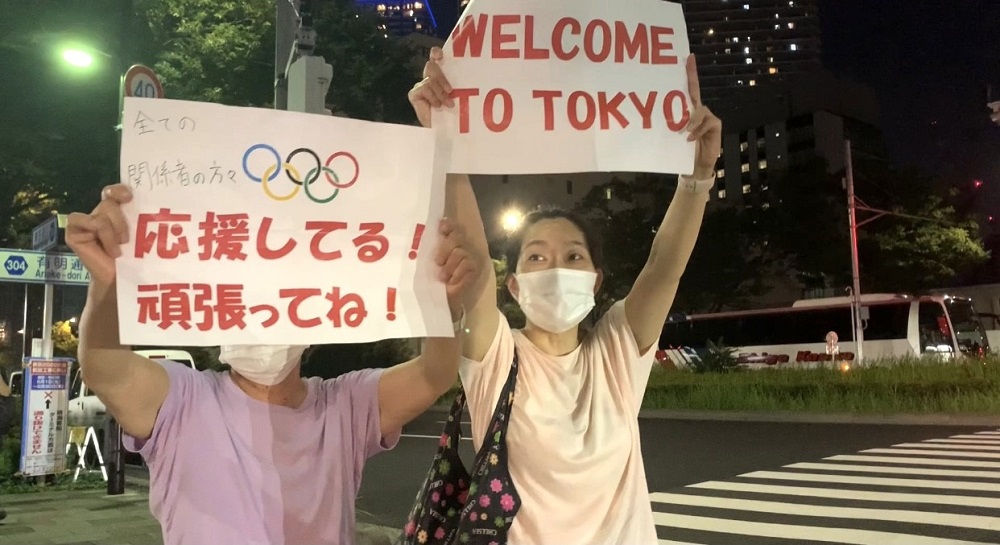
{"x":141,"y":81}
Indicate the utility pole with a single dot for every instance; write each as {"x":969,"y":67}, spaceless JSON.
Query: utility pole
{"x":859,"y":331}
{"x":302,"y":80}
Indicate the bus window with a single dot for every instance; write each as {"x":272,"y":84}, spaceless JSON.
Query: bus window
{"x":933,"y":338}
{"x":969,"y":331}
{"x":887,"y":322}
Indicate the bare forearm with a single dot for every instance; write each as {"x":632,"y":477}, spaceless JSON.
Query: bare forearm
{"x":677,"y":235}
{"x":102,"y":356}
{"x":438,"y":363}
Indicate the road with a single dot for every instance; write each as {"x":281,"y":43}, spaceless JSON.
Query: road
{"x":745,"y":483}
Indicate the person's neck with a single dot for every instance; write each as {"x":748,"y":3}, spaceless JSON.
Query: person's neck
{"x":553,"y":344}
{"x":290,"y":392}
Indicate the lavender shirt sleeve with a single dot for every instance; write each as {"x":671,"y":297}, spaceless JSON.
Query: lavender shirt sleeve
{"x":171,"y":416}
{"x":365,"y":423}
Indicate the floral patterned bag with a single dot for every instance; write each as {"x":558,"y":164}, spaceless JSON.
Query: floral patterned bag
{"x":454,"y":507}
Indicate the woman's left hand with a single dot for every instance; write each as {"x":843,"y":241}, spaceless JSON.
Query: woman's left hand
{"x":703,"y":127}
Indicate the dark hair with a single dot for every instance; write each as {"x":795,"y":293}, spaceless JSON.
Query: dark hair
{"x":590,"y":237}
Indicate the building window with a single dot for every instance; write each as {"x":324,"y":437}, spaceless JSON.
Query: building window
{"x":762,"y":164}
{"x":721,"y":173}
{"x":607,"y":193}
{"x":743,"y":146}
{"x":753,"y":82}
{"x":746,"y":189}
{"x":569,"y":187}
{"x":722,"y":194}
{"x":791,"y":25}
{"x":794,"y":47}
{"x":745,"y":168}
{"x":772,"y":70}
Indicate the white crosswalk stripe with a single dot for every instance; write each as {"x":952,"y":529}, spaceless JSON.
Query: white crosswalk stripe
{"x":947,"y":447}
{"x":907,"y":494}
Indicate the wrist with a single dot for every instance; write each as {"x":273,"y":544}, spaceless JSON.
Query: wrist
{"x":458,"y":319}
{"x":697,"y":184}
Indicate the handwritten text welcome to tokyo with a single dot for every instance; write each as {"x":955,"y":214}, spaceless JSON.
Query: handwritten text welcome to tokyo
{"x":515,"y":36}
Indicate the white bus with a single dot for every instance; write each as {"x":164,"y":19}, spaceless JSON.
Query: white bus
{"x":894,"y":326}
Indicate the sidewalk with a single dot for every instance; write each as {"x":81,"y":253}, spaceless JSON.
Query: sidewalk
{"x":80,"y":517}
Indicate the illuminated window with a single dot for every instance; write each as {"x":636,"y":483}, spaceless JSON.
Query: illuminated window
{"x":750,"y":61}
{"x":746,"y":189}
{"x":743,"y":147}
{"x":722,"y":194}
{"x":721,"y":173}
{"x":762,"y":164}
{"x":772,"y":70}
{"x":746,"y":6}
{"x":791,"y":25}
{"x":711,"y":31}
{"x":753,"y":82}
{"x":746,"y":49}
{"x":745,"y":168}
{"x":794,"y":47}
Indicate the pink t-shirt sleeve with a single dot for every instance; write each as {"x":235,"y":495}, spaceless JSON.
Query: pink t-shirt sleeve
{"x":617,"y":342}
{"x":183,"y":385}
{"x":366,"y":423}
{"x":483,"y":380}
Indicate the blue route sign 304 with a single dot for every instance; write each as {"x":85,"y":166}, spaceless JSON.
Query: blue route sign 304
{"x":40,"y":268}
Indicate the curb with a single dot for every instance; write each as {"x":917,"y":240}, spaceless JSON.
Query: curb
{"x":931,"y":419}
{"x":969,"y":420}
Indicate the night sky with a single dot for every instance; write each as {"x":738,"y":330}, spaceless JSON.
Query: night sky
{"x":929,"y":61}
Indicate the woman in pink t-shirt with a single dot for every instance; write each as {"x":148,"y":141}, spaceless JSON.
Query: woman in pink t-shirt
{"x":573,"y":434}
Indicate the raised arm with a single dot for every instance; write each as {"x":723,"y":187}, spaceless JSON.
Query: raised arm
{"x":652,"y":295}
{"x":407,"y":390}
{"x":482,"y":315}
{"x":132,"y":387}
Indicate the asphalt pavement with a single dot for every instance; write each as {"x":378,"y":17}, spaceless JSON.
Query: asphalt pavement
{"x":754,"y":483}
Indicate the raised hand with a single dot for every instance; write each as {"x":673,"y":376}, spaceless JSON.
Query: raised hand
{"x":433,"y":91}
{"x":97,"y":237}
{"x":704,"y":127}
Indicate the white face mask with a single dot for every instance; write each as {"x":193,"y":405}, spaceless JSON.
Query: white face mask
{"x":266,"y":365}
{"x":556,"y":300}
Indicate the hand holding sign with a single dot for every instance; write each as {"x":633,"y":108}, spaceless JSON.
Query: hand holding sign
{"x":97,"y":237}
{"x":704,"y":128}
{"x":544,"y":81}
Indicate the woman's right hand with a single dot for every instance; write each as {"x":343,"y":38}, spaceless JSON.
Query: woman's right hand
{"x":433,"y":91}
{"x":96,"y":238}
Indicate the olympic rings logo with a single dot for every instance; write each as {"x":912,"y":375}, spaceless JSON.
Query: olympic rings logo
{"x":295,"y":176}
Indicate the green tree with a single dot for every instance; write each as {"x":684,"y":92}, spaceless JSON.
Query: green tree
{"x":372,"y":70}
{"x":807,"y":221}
{"x":213,"y":51}
{"x":726,"y":267}
{"x":924,"y":243}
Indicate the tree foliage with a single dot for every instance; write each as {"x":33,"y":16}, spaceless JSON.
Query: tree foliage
{"x":214,"y":51}
{"x":725,"y":269}
{"x":924,"y":243}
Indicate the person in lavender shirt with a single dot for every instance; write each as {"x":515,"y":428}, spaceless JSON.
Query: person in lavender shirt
{"x":256,"y":455}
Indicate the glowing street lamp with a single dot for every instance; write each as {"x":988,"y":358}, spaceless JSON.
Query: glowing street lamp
{"x":511,"y":220}
{"x":77,"y":58}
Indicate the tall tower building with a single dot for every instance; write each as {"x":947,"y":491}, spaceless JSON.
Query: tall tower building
{"x":403,"y":17}
{"x":744,"y":43}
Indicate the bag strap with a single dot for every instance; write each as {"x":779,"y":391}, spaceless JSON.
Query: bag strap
{"x":496,"y":433}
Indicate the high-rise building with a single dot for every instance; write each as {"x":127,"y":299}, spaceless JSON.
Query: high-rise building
{"x":744,"y":43}
{"x":403,"y":17}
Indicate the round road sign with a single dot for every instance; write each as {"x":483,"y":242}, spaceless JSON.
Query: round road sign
{"x":141,"y":81}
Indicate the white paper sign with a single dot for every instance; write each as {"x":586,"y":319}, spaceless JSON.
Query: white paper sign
{"x":563,"y":86}
{"x":44,"y":431}
{"x":254,"y":226}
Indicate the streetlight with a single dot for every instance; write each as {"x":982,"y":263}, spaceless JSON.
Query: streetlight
{"x":78,"y":58}
{"x":511,"y":220}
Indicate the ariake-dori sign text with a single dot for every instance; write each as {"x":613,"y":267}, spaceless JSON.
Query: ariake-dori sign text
{"x":253,"y":226}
